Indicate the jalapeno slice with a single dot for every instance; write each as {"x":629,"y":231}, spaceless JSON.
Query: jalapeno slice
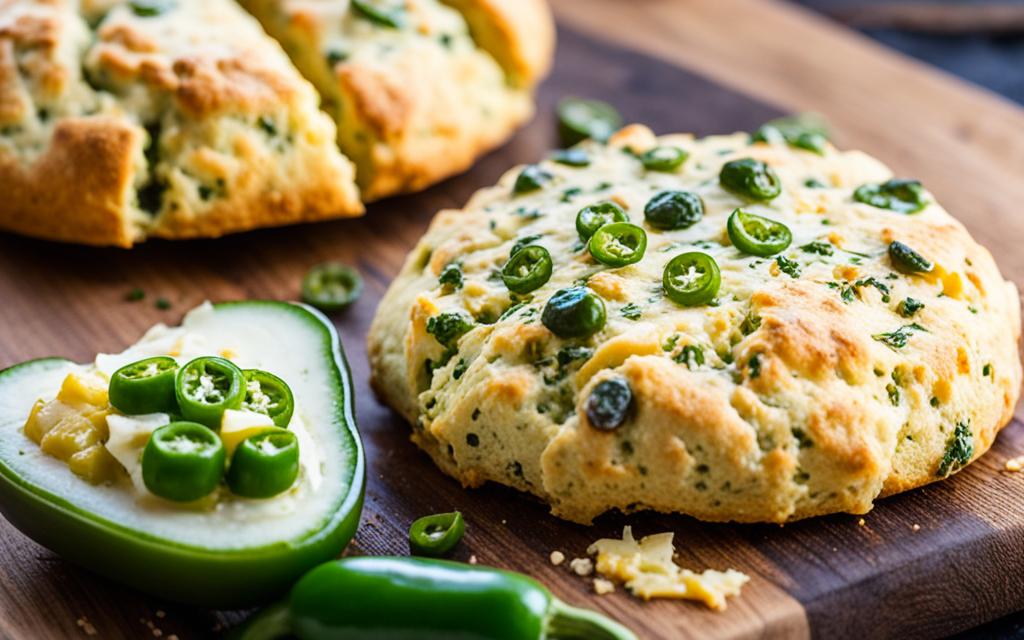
{"x":267,"y":394}
{"x":576,"y":312}
{"x":669,"y":210}
{"x":691,"y":279}
{"x":757,"y":235}
{"x":579,"y":119}
{"x":435,"y":535}
{"x":532,"y":178}
{"x":331,"y":286}
{"x":595,"y":216}
{"x":527,"y":270}
{"x":907,"y":260}
{"x":609,"y":404}
{"x":378,"y":13}
{"x":183,"y":461}
{"x":264,"y":465}
{"x":206,"y":387}
{"x":146,"y":386}
{"x":664,"y":159}
{"x":618,"y":244}
{"x":903,"y":196}
{"x":751,"y":179}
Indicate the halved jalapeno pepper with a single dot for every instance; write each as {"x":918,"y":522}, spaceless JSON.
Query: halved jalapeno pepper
{"x":757,"y":235}
{"x":595,"y":216}
{"x":267,"y":394}
{"x":528,"y":269}
{"x":618,"y":244}
{"x":576,"y":312}
{"x":264,"y":465}
{"x":146,"y":386}
{"x":663,"y":158}
{"x":207,"y":387}
{"x":331,"y":286}
{"x":751,"y":179}
{"x":580,"y":119}
{"x":436,"y":535}
{"x":691,"y":279}
{"x":183,"y":461}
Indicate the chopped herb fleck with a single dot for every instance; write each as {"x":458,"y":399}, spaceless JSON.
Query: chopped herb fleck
{"x":162,"y":304}
{"x":894,"y":394}
{"x":135,"y":295}
{"x":789,"y":267}
{"x":986,"y":370}
{"x":631,"y":311}
{"x":804,"y":441}
{"x":754,"y":366}
{"x":909,"y":306}
{"x":959,"y":450}
{"x":898,"y":339}
{"x":451,"y":276}
{"x":819,"y":247}
{"x":692,"y":356}
{"x":448,"y":327}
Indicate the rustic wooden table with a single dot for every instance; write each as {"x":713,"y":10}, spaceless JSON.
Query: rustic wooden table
{"x":828,"y":577}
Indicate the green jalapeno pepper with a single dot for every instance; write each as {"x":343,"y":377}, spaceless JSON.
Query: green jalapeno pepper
{"x":183,"y":461}
{"x":267,"y":394}
{"x":580,"y":119}
{"x":750,"y":179}
{"x":618,"y":244}
{"x":593,"y":217}
{"x":532,"y":178}
{"x":437,"y":534}
{"x":146,"y":386}
{"x":803,"y":131}
{"x":691,"y":279}
{"x":264,"y":465}
{"x":332,"y":287}
{"x":576,"y":312}
{"x":757,"y":235}
{"x":528,"y":269}
{"x":392,"y":17}
{"x":207,"y":387}
{"x":669,"y":210}
{"x":903,"y":196}
{"x":907,"y":260}
{"x":426,"y":599}
{"x":663,"y":159}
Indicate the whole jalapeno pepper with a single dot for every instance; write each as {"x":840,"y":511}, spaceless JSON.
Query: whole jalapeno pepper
{"x":426,"y":599}
{"x":208,"y":386}
{"x":146,"y":386}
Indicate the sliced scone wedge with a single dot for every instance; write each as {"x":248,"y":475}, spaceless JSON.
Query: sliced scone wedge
{"x":418,"y":89}
{"x":137,"y":119}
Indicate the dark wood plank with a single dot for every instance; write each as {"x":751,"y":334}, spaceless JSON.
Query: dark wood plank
{"x":882,"y":579}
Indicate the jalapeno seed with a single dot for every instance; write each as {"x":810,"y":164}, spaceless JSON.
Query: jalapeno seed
{"x":435,"y":535}
{"x":757,"y":235}
{"x":609,"y":403}
{"x":183,"y":461}
{"x":208,"y":386}
{"x":264,"y":465}
{"x":750,"y":178}
{"x":907,"y":260}
{"x":618,"y":244}
{"x":527,"y":270}
{"x":663,"y":159}
{"x":669,"y":210}
{"x":579,"y":119}
{"x":593,"y":217}
{"x":691,"y":279}
{"x":146,"y":386}
{"x":331,"y":287}
{"x":903,"y":196}
{"x":267,"y":394}
{"x":575,"y":312}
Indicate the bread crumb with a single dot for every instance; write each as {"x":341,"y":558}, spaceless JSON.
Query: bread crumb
{"x":160,"y":613}
{"x":602,"y":586}
{"x":582,"y":566}
{"x":1015,"y":464}
{"x":86,"y":626}
{"x":472,"y":559}
{"x":557,"y":558}
{"x":157,"y":633}
{"x":861,"y":522}
{"x":916,"y":527}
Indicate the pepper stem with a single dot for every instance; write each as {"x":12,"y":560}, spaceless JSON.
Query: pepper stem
{"x":269,"y":624}
{"x":566,"y":622}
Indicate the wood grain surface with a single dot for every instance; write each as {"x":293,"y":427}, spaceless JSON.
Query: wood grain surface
{"x":829,"y":577}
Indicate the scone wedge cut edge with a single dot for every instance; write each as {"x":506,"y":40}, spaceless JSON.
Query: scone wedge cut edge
{"x":117,"y":124}
{"x":875,"y":353}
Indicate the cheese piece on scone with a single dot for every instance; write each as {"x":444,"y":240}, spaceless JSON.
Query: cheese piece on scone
{"x":816,"y":381}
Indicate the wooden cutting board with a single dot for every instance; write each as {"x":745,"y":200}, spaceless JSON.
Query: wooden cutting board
{"x":932,"y":562}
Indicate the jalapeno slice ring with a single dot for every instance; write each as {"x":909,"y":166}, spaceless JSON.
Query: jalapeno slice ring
{"x":576,"y":312}
{"x":331,"y":286}
{"x":527,"y":270}
{"x":691,"y":279}
{"x":757,"y":235}
{"x":264,"y":465}
{"x":183,"y":461}
{"x":579,"y":119}
{"x":593,"y":217}
{"x":267,"y":394}
{"x":907,"y":260}
{"x":435,"y":535}
{"x":670,"y":210}
{"x":206,"y":387}
{"x":618,"y":244}
{"x":146,"y":386}
{"x":663,"y":159}
{"x":751,"y":179}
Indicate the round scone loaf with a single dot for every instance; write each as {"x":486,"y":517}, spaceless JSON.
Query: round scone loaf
{"x":853,"y":341}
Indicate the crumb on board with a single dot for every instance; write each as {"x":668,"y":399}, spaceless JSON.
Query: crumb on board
{"x":1015,"y":464}
{"x":472,"y":559}
{"x":557,"y":558}
{"x":861,"y":522}
{"x":86,"y":626}
{"x":603,"y":586}
{"x":916,"y":527}
{"x":582,"y":566}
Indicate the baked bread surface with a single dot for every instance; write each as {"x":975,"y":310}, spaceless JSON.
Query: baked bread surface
{"x":801,"y":407}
